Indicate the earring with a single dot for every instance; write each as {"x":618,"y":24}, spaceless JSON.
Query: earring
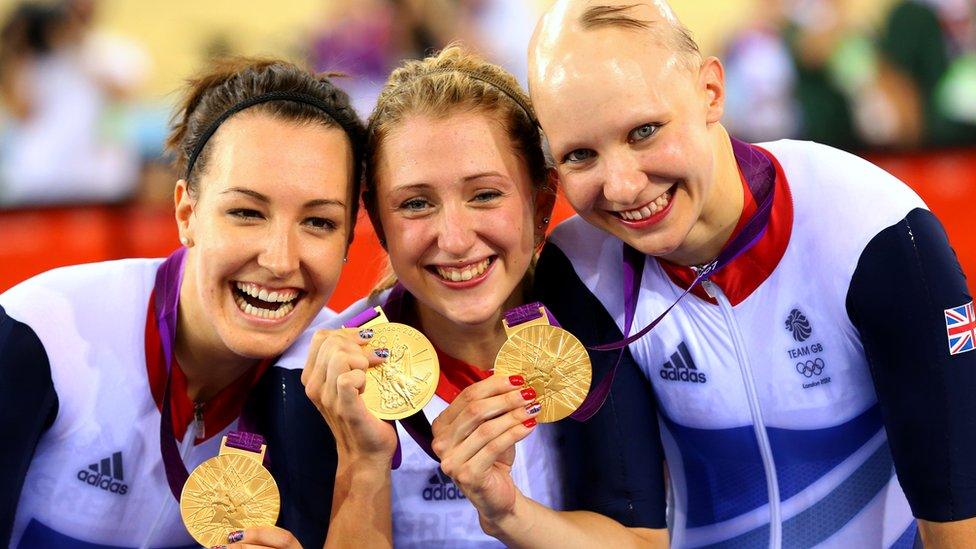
{"x":545,"y":220}
{"x":345,"y":259}
{"x":185,"y":241}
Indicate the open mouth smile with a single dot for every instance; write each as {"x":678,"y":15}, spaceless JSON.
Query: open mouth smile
{"x":650,"y":213}
{"x":265,"y":303}
{"x":470,"y":273}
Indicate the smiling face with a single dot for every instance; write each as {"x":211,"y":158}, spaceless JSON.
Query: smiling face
{"x":268,"y":230}
{"x":635,"y":152}
{"x":458,"y":209}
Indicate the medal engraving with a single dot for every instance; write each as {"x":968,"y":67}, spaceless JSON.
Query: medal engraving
{"x":405,"y":382}
{"x":553,"y":362}
{"x":226,"y":493}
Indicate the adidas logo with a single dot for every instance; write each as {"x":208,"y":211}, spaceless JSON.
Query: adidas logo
{"x":682,"y":368}
{"x":106,"y":475}
{"x":441,"y":488}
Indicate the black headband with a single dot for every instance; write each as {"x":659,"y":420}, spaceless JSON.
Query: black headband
{"x":294,"y":97}
{"x":493,"y":81}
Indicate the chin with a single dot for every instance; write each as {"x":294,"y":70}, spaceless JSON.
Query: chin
{"x":260,"y":346}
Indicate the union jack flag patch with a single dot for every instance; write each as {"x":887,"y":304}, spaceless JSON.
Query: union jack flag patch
{"x":961,"y":328}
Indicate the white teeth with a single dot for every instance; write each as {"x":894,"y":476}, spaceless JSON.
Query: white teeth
{"x":264,"y":313}
{"x":647,"y":211}
{"x":465,"y":274}
{"x":279,"y":296}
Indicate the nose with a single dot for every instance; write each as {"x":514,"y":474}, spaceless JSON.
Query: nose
{"x":280,"y":250}
{"x":456,"y":233}
{"x":624,"y":178}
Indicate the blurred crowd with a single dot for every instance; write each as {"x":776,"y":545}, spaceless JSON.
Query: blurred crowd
{"x":800,"y":70}
{"x":75,"y":127}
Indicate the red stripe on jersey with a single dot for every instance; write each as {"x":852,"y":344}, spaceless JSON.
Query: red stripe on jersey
{"x":456,"y":375}
{"x":748,"y":271}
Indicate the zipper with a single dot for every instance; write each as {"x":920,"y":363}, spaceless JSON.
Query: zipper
{"x":759,"y":426}
{"x":198,"y":425}
{"x":186,"y":446}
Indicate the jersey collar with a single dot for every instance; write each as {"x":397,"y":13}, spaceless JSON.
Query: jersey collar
{"x":740,"y":278}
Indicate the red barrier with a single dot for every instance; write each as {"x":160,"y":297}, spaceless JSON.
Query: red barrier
{"x":33,"y":241}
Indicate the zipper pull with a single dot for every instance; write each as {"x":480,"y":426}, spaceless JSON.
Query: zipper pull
{"x":198,"y":425}
{"x":710,"y":288}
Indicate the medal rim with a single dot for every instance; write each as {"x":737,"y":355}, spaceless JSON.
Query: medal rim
{"x":208,"y":463}
{"x":576,"y":344}
{"x":432,"y":387}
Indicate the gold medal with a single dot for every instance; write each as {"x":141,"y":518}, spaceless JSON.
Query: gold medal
{"x":230,"y":492}
{"x":406,"y":381}
{"x":552,"y":361}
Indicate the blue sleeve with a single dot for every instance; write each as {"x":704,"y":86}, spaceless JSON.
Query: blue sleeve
{"x":302,"y":452}
{"x":28,"y":407}
{"x":905,"y":281}
{"x":613,"y":464}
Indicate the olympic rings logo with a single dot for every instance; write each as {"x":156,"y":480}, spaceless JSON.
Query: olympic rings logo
{"x":811,"y":368}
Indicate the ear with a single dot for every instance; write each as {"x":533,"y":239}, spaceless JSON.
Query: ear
{"x":711,"y":79}
{"x":545,"y":201}
{"x":184,"y":212}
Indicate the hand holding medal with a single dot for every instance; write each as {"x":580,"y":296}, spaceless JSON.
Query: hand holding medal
{"x":335,"y":376}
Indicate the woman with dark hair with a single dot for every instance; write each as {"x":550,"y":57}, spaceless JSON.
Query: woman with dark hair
{"x":116,"y":378}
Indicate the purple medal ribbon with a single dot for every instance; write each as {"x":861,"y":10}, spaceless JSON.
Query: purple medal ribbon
{"x":760,"y":175}
{"x":169,"y":277}
{"x":416,"y":425}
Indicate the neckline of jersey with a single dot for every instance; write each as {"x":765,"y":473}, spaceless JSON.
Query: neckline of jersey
{"x":744,"y":275}
{"x":218,"y":412}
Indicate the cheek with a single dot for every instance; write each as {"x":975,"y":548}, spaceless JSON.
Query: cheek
{"x":581,"y":190}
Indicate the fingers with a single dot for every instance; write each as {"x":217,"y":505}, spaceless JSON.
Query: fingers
{"x":476,"y":414}
{"x":263,"y":537}
{"x":333,"y":352}
{"x":494,"y":385}
{"x":491,"y":440}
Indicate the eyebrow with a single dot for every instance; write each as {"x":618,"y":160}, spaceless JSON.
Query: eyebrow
{"x":465,"y":179}
{"x":262,"y":198}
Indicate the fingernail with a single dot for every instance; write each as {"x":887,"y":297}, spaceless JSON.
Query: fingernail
{"x":235,"y":537}
{"x":534,"y":408}
{"x":219,"y":547}
{"x":516,"y":380}
{"x":366,"y":333}
{"x":382,"y":353}
{"x":530,"y":423}
{"x":528,"y":394}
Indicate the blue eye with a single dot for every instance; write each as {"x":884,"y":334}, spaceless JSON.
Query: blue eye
{"x":486,"y":196}
{"x":579,"y":155}
{"x":641,"y":133}
{"x":415,"y":204}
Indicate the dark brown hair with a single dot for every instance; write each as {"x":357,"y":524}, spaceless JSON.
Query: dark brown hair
{"x":228,"y":82}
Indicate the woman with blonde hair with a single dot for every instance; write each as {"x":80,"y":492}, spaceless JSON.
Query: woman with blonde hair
{"x":458,"y":190}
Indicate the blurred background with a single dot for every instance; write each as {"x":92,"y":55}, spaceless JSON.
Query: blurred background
{"x":87,"y":86}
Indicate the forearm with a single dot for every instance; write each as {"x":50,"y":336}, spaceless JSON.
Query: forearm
{"x":533,"y":525}
{"x":948,"y":535}
{"x":361,"y":514}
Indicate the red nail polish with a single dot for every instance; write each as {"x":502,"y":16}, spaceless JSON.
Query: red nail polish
{"x":528,"y":394}
{"x":516,"y":380}
{"x":530,"y":423}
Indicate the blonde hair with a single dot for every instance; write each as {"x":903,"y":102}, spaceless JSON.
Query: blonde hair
{"x":676,"y":36}
{"x":452,"y":81}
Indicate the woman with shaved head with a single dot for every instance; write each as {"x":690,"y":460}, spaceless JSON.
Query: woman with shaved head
{"x":804,"y":323}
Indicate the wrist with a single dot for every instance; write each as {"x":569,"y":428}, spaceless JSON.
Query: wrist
{"x":511,"y":524}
